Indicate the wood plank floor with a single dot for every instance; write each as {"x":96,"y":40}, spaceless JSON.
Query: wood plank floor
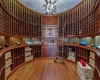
{"x":46,"y":69}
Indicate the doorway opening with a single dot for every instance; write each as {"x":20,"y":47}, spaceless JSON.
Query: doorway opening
{"x":49,"y":40}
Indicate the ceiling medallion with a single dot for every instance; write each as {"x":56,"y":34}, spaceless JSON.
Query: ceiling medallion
{"x":50,"y":7}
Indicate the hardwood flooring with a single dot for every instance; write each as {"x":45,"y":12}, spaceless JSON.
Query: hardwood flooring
{"x":46,"y":69}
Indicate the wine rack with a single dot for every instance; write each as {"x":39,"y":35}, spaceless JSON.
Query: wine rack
{"x":79,"y":53}
{"x":63,"y":51}
{"x":17,"y":57}
{"x":17,"y":20}
{"x":82,"y":54}
{"x":83,"y":20}
{"x":36,"y":51}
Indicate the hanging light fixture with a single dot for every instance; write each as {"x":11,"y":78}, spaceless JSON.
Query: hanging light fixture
{"x":50,"y":7}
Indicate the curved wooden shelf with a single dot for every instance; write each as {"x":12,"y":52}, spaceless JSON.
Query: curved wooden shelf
{"x":85,"y":47}
{"x":84,"y":52}
{"x":17,"y":57}
{"x":4,"y":50}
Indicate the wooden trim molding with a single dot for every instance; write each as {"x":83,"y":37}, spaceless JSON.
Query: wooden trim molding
{"x":2,"y":69}
{"x":97,"y":70}
{"x":3,"y":51}
{"x":85,"y":47}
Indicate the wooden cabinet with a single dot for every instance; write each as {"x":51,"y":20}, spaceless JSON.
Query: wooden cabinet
{"x":8,"y":63}
{"x":28,"y":54}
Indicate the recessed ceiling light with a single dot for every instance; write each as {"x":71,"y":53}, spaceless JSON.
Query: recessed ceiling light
{"x":34,"y":8}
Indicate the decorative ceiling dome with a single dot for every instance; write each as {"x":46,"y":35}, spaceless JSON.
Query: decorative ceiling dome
{"x":61,"y":5}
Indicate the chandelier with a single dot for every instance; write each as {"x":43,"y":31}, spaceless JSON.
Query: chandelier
{"x":50,"y":7}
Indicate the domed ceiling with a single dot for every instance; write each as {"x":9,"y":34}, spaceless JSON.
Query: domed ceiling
{"x":62,"y":5}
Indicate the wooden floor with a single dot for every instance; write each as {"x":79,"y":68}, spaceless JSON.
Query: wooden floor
{"x":46,"y":69}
